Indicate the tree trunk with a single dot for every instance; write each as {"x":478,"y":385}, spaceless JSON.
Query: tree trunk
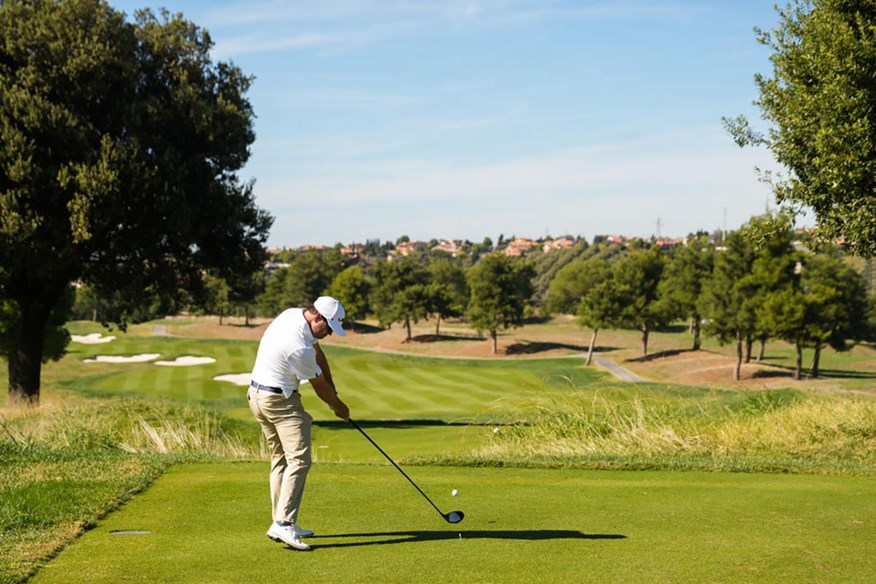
{"x":762,"y":351}
{"x":798,"y":371}
{"x":813,"y":373}
{"x":221,"y":314}
{"x":696,"y":333}
{"x":408,"y":329}
{"x":25,"y":360}
{"x":246,"y":315}
{"x":438,"y":326}
{"x":749,"y":342}
{"x":645,"y":330}
{"x":495,"y":337}
{"x":737,"y":371}
{"x":592,"y":344}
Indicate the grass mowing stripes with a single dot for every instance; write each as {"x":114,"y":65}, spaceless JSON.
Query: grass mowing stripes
{"x":206,"y":523}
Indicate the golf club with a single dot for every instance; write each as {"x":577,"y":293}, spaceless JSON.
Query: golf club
{"x":452,"y":517}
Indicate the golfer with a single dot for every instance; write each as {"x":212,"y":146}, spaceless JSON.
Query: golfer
{"x":288,"y":354}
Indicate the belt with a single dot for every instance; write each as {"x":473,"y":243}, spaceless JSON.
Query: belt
{"x":268,"y":388}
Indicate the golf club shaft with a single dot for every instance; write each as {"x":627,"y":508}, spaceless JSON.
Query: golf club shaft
{"x":355,"y":425}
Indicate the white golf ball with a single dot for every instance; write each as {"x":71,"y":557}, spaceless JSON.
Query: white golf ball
{"x":454,"y":492}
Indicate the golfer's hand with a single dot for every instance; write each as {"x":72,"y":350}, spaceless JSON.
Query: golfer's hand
{"x":342,"y":411}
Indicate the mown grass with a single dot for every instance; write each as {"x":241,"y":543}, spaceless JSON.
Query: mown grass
{"x":206,"y":523}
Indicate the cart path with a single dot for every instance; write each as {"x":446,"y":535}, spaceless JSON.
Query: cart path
{"x":621,"y":373}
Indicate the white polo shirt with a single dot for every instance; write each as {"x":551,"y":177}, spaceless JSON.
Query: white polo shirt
{"x":286,"y":354}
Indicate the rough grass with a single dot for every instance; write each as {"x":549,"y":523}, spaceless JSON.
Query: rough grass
{"x":64,"y":468}
{"x":784,"y":431}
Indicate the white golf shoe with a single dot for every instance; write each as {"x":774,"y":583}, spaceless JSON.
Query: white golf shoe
{"x":286,"y":534}
{"x":301,"y":532}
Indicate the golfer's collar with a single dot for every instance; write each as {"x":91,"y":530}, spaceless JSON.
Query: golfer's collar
{"x":308,"y":332}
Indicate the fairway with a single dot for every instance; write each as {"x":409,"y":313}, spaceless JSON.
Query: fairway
{"x":206,"y":523}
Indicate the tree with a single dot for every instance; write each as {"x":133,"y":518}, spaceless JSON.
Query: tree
{"x":448,"y":290}
{"x":682,"y":283}
{"x":819,"y":102}
{"x":118,"y":160}
{"x":837,"y":305}
{"x":351,"y":289}
{"x":636,"y":280}
{"x":600,"y":308}
{"x":398,"y":292}
{"x":500,"y":288}
{"x":573,"y":283}
{"x":215,"y":301}
{"x":309,"y":276}
{"x":724,"y":296}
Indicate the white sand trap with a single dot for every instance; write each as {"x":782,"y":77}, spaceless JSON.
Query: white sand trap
{"x":186,"y":361}
{"x":142,"y":358}
{"x":92,"y":339}
{"x":235,"y":378}
{"x":239,"y":378}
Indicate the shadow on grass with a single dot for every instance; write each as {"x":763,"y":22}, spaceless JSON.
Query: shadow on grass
{"x":530,"y":348}
{"x":396,"y":537}
{"x":363,"y":328}
{"x":662,"y":354}
{"x":788,"y":371}
{"x":442,"y":337}
{"x":398,"y":424}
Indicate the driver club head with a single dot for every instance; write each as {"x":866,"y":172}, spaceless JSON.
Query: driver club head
{"x":454,"y":516}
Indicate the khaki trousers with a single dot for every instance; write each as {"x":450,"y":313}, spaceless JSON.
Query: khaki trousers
{"x":286,"y":426}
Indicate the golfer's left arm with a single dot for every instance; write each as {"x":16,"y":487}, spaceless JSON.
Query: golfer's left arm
{"x":324,"y":387}
{"x":324,"y":365}
{"x":326,"y":392}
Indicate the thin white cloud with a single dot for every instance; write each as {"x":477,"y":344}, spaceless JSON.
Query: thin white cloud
{"x":349,"y":24}
{"x":686,"y":179}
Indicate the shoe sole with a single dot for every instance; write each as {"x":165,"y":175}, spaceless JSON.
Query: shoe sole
{"x":281,"y":540}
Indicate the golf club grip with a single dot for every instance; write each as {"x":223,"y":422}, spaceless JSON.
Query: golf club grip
{"x":367,"y":437}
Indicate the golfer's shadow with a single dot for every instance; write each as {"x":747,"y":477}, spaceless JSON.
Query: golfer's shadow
{"x":396,"y":537}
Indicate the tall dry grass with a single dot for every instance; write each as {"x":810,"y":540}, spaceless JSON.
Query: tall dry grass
{"x":836,"y":433}
{"x":135,"y":426}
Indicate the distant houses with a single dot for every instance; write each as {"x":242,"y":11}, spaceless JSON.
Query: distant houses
{"x":455,"y":248}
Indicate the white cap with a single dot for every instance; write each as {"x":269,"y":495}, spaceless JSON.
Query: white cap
{"x":333,"y":312}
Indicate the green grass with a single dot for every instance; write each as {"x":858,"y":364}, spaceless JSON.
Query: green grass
{"x":66,"y":468}
{"x":206,"y":523}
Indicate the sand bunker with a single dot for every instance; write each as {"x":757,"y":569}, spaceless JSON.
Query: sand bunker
{"x":142,"y":358}
{"x":235,"y":378}
{"x":239,"y":378}
{"x":186,"y":361}
{"x":92,"y":339}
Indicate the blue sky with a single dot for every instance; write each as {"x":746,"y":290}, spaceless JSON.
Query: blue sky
{"x":461,"y":119}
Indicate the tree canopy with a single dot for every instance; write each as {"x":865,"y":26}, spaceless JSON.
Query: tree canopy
{"x":119,"y":147}
{"x":820,"y":102}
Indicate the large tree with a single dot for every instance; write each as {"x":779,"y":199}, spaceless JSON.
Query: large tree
{"x":119,"y":147}
{"x":725,"y":295}
{"x":399,"y":292}
{"x":827,"y":306}
{"x":682,"y":283}
{"x":820,"y":103}
{"x":448,"y":290}
{"x":636,"y":280}
{"x":500,"y":288}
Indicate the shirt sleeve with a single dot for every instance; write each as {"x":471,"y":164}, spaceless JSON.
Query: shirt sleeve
{"x":304,"y":363}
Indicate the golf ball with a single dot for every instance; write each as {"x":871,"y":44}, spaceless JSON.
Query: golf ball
{"x":454,"y":492}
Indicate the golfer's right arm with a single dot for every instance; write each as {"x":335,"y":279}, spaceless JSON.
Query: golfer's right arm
{"x":326,"y":392}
